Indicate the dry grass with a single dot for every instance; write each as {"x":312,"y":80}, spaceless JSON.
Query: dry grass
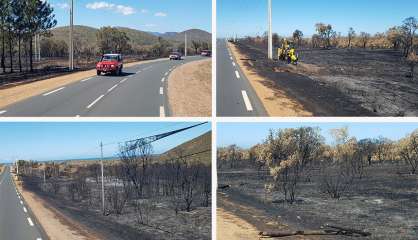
{"x":190,"y":89}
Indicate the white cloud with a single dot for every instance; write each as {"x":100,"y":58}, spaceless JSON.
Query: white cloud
{"x":62,"y":5}
{"x":124,"y":10}
{"x":160,"y":14}
{"x":144,"y":11}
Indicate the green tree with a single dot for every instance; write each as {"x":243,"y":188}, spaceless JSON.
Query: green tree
{"x":325,"y":32}
{"x":297,"y":36}
{"x":351,"y":35}
{"x":39,"y":19}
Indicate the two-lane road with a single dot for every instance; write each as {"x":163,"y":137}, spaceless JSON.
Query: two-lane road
{"x":140,"y":92}
{"x":235,"y":96}
{"x":16,"y":220}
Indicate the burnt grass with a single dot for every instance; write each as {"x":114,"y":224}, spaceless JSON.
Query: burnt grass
{"x":163,"y":223}
{"x":350,"y":82}
{"x":384,"y":202}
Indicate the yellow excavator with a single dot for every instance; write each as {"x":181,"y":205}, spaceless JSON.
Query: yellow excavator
{"x":287,"y":52}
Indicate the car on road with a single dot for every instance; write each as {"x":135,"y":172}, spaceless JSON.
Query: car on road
{"x":206,"y":53}
{"x":175,"y":56}
{"x":110,"y":63}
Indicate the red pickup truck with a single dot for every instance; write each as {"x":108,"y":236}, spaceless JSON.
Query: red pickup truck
{"x":110,"y":63}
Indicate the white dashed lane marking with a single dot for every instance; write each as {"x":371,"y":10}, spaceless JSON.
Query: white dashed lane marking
{"x":86,"y":79}
{"x":3,"y":112}
{"x":54,"y":91}
{"x":247,"y":101}
{"x":123,"y":80}
{"x":162,"y":111}
{"x":110,"y":89}
{"x":233,"y":64}
{"x":30,"y":222}
{"x":163,"y":79}
{"x":25,"y":210}
{"x":237,"y":74}
{"x":95,"y":101}
{"x":161,"y":90}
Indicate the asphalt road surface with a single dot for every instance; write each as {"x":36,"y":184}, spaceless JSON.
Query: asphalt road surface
{"x":16,"y":219}
{"x":140,"y":92}
{"x":235,"y":96}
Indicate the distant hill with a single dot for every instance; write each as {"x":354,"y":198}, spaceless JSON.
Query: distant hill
{"x":192,"y":34}
{"x":198,"y":144}
{"x":87,"y":35}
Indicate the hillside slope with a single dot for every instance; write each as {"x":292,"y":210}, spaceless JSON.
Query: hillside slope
{"x":87,"y":35}
{"x":202,"y":143}
{"x":192,"y":34}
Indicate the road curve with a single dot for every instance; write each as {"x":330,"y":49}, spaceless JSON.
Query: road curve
{"x":140,"y":92}
{"x":235,"y":96}
{"x":16,"y":219}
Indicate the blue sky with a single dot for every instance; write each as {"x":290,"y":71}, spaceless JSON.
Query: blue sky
{"x":146,"y":15}
{"x":249,"y":17}
{"x":248,"y":134}
{"x":60,"y":141}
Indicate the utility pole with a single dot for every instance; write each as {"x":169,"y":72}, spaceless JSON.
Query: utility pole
{"x":44,"y":174}
{"x":185,"y":44}
{"x":36,"y":47}
{"x":71,"y":52}
{"x":270,"y":34}
{"x":101,"y":164}
{"x":39,"y":48}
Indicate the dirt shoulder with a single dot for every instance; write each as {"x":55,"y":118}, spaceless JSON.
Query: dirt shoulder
{"x":24,"y":91}
{"x":56,"y":225}
{"x":231,"y":227}
{"x":276,"y":101}
{"x":248,"y":216}
{"x":190,"y":89}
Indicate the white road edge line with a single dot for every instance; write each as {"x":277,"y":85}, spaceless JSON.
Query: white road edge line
{"x":237,"y":74}
{"x":21,"y":202}
{"x":166,"y":74}
{"x":54,"y":91}
{"x":138,"y":71}
{"x":25,"y":210}
{"x":30,"y":222}
{"x":123,"y":80}
{"x":3,"y":112}
{"x":233,"y":64}
{"x":110,"y":89}
{"x":163,"y":79}
{"x":162,"y":111}
{"x":39,"y":239}
{"x":95,"y":101}
{"x":161,"y":90}
{"x":247,"y":101}
{"x":86,"y":79}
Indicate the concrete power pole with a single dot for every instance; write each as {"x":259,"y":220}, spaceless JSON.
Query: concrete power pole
{"x":39,"y":48}
{"x":101,"y":165}
{"x":71,"y":52}
{"x":185,"y":44}
{"x":270,"y":34}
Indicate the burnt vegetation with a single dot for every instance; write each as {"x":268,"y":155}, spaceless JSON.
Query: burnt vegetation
{"x":147,"y":196}
{"x":354,"y":73}
{"x":293,"y":173}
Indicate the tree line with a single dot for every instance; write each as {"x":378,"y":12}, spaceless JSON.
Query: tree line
{"x":113,"y":40}
{"x":20,"y":21}
{"x":290,"y":156}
